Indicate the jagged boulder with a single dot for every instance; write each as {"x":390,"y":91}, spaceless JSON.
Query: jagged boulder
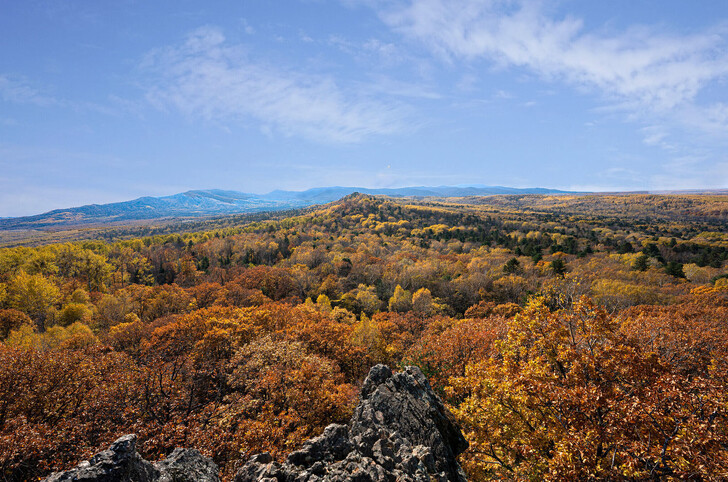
{"x":121,"y":463}
{"x":187,"y":465}
{"x":400,"y":431}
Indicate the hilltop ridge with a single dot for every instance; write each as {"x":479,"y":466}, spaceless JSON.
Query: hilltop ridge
{"x":216,"y":202}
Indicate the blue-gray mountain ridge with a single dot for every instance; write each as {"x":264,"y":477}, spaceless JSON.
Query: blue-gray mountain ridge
{"x":216,"y":202}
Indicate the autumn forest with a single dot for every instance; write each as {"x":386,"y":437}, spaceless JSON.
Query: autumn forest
{"x":573,"y":337}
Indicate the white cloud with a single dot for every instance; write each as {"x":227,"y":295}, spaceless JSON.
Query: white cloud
{"x":692,"y":171}
{"x":205,"y":77}
{"x":467,"y":83}
{"x":379,"y":174}
{"x":247,"y":27}
{"x":639,"y":68}
{"x":712,"y":118}
{"x":18,"y":90}
{"x":502,"y":95}
{"x":656,"y":136}
{"x":380,"y":84}
{"x":386,"y":52}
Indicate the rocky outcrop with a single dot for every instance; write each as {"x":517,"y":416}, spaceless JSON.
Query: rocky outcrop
{"x":400,"y":431}
{"x":121,"y":463}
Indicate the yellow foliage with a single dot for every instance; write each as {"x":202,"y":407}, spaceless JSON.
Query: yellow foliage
{"x":33,"y":295}
{"x":367,"y":335}
{"x":73,"y":312}
{"x":580,"y":395}
{"x":422,"y":302}
{"x":438,"y":228}
{"x":323,"y":303}
{"x":77,"y":335}
{"x":401,"y":300}
{"x":619,"y":294}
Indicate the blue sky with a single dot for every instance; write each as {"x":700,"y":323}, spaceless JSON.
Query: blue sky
{"x":106,"y":101}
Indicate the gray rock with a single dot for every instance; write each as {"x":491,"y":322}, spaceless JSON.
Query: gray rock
{"x":332,"y":445}
{"x":121,"y":463}
{"x":405,"y":403}
{"x":400,"y":431}
{"x":187,"y":465}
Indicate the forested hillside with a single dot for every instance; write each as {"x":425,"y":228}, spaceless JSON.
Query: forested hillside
{"x":215,"y":202}
{"x":574,"y":337}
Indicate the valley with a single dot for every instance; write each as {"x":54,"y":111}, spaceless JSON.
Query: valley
{"x":569,"y":334}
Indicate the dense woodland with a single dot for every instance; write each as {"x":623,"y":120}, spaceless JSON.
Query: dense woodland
{"x":573,"y":337}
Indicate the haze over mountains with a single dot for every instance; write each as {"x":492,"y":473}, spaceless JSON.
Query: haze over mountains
{"x":215,"y":202}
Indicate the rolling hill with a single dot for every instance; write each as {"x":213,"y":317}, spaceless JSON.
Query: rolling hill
{"x":215,"y":202}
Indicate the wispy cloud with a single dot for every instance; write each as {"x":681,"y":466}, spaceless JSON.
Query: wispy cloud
{"x":207,"y":77}
{"x":712,"y":118}
{"x":391,"y":87}
{"x":692,"y":171}
{"x":656,"y":135}
{"x":640,"y":69}
{"x":376,"y":175}
{"x":19,"y":90}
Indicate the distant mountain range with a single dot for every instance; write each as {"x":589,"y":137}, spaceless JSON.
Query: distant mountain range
{"x":215,"y":202}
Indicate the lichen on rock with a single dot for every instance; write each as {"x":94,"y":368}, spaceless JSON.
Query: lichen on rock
{"x":121,"y":463}
{"x":400,"y":431}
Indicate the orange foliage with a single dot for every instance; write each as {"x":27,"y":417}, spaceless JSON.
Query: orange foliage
{"x":445,"y":354}
{"x":201,"y":339}
{"x":11,"y":319}
{"x":575,"y":396}
{"x":58,"y":409}
{"x":281,"y":396}
{"x":275,"y":283}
